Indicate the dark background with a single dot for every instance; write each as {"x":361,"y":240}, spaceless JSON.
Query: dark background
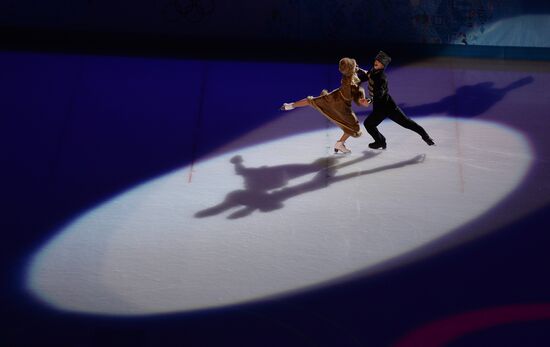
{"x":273,"y":29}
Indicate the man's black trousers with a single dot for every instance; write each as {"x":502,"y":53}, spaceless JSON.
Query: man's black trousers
{"x":387,"y":108}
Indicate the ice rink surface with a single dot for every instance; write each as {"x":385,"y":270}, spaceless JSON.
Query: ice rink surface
{"x":167,"y":188}
{"x":278,"y":217}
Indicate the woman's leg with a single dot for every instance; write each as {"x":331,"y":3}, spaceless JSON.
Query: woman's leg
{"x":292,"y":105}
{"x":300,"y":103}
{"x":340,"y":146}
{"x":344,"y":137}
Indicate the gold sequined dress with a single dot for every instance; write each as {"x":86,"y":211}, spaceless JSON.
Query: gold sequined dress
{"x":336,"y":105}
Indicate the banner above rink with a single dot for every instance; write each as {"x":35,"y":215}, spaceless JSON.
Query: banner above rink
{"x":459,"y":22}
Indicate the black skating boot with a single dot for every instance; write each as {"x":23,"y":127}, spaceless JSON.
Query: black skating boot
{"x":376,"y":145}
{"x":428,"y":140}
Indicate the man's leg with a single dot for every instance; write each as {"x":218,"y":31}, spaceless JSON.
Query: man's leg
{"x":371,"y":123}
{"x":400,"y":118}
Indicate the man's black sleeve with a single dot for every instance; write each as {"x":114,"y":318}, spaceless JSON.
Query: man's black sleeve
{"x":362,"y":74}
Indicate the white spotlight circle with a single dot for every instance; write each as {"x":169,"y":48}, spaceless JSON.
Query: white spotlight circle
{"x":254,"y":222}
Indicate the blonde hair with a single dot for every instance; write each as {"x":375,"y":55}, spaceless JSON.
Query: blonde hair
{"x":347,"y":66}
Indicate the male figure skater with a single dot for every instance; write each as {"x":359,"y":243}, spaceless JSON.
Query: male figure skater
{"x":383,"y":105}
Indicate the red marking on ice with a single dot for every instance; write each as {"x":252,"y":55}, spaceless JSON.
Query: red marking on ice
{"x":441,"y":332}
{"x":460,"y":157}
{"x":191,"y":170}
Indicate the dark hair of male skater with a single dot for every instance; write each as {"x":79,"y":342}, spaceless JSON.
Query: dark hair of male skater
{"x":383,"y":105}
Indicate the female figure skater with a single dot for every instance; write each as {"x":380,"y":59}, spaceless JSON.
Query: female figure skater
{"x":336,"y":105}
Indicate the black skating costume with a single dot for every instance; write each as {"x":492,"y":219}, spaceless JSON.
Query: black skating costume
{"x":383,"y":105}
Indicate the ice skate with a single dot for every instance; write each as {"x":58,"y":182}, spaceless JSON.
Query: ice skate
{"x":287,"y":106}
{"x":339,"y":146}
{"x":377,"y":145}
{"x":429,"y":141}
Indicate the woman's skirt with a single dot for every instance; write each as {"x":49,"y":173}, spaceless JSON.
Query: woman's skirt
{"x":338,"y":110}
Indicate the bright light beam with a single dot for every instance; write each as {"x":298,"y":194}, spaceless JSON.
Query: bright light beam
{"x":276,"y":218}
